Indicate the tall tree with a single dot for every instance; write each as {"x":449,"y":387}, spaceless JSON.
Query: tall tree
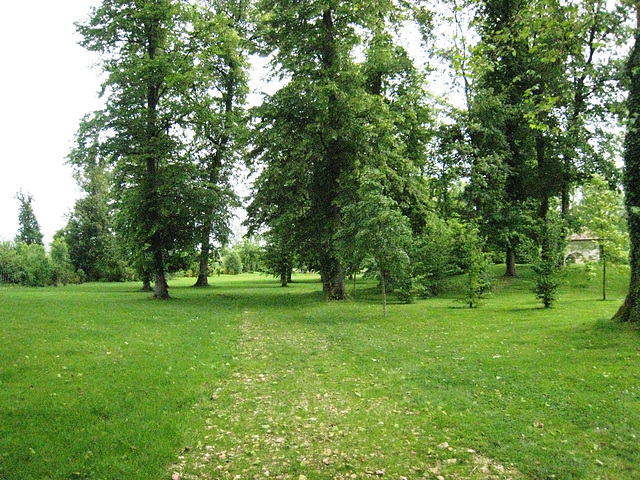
{"x":28,"y":226}
{"x":222,"y":31}
{"x":150,"y":58}
{"x":630,"y":309}
{"x":504,"y":162}
{"x":592,"y":32}
{"x":325,"y":117}
{"x":90,"y":230}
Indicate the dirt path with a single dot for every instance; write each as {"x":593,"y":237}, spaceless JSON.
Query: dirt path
{"x":295,"y":409}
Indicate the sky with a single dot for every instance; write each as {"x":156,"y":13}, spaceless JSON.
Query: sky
{"x":47,"y":84}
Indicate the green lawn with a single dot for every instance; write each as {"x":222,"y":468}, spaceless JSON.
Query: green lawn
{"x":249,"y":380}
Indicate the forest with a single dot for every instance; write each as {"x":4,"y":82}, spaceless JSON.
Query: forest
{"x":410,"y":141}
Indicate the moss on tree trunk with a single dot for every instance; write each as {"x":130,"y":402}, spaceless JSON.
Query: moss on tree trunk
{"x":630,"y":309}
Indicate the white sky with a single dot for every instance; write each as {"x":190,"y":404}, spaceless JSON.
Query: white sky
{"x":46,"y":86}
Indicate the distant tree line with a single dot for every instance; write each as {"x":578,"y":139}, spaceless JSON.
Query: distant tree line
{"x":357,"y":165}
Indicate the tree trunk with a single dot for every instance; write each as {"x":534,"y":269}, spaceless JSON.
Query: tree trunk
{"x":161,"y":289}
{"x":604,"y":279}
{"x":333,"y":282}
{"x":354,"y":285}
{"x":384,"y":293}
{"x":203,"y":270}
{"x":630,"y":309}
{"x":326,"y":185}
{"x":146,"y":281}
{"x":511,"y":263}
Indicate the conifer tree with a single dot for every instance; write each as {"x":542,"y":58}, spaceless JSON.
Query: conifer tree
{"x":28,"y":226}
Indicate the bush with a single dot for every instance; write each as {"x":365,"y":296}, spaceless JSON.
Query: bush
{"x":35,"y":269}
{"x":61,"y":267}
{"x":546,"y":288}
{"x":232,"y":263}
{"x":9,"y":263}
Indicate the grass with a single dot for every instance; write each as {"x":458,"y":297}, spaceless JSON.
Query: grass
{"x":249,"y":380}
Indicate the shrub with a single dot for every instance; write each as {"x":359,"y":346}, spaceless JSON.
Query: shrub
{"x":232,"y":263}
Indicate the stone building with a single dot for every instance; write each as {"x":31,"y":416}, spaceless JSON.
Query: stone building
{"x":582,"y":248}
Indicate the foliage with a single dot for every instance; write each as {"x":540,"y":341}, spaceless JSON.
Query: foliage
{"x":29,"y":265}
{"x":435,"y":254}
{"x":251,"y":255}
{"x":546,"y":288}
{"x":62,"y":271}
{"x":35,"y":269}
{"x":630,"y":309}
{"x":232,"y":262}
{"x":375,"y":228}
{"x":89,"y":234}
{"x":28,"y":226}
{"x":551,"y":258}
{"x":474,"y":262}
{"x":10,"y":267}
{"x":601,"y":212}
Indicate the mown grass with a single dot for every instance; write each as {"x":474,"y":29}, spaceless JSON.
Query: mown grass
{"x":249,"y":380}
{"x":98,"y":381}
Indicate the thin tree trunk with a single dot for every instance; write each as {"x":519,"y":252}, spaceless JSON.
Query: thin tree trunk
{"x":384,"y":293}
{"x":604,"y":279}
{"x":511,"y":263}
{"x":354,"y":285}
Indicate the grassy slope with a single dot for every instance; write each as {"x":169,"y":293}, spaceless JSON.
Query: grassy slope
{"x":315,"y":389}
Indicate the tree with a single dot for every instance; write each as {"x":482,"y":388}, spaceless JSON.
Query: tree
{"x":315,"y":115}
{"x":374,"y":227}
{"x":232,"y":262}
{"x":149,"y":55}
{"x":28,"y":226}
{"x":277,"y":257}
{"x":601,"y":211}
{"x":474,"y":263}
{"x":220,"y":123}
{"x":552,"y":234}
{"x":629,"y":311}
{"x":61,"y":266}
{"x":334,"y":117}
{"x":503,"y":165}
{"x":90,"y":231}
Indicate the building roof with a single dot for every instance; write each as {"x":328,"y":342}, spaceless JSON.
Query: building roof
{"x":584,"y":236}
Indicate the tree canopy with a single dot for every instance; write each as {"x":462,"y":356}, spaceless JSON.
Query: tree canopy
{"x":356,"y":161}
